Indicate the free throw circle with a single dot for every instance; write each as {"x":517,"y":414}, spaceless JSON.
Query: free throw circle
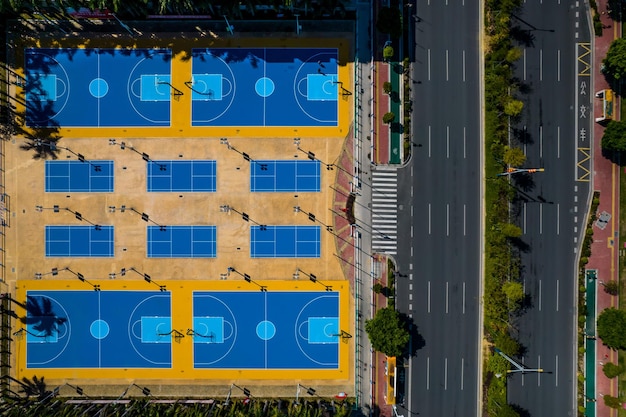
{"x":265,"y":330}
{"x":98,"y":87}
{"x":99,"y":329}
{"x":264,"y":87}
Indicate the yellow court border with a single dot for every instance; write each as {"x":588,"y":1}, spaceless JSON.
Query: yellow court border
{"x":181,"y":72}
{"x":182,"y":350}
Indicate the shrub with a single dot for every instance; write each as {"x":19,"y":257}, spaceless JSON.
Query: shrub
{"x":611,"y":370}
{"x":389,"y":118}
{"x":378,"y":288}
{"x":611,"y":287}
{"x":612,"y":402}
{"x":387,"y":87}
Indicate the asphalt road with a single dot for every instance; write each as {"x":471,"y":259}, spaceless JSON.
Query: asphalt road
{"x":439,"y":196}
{"x":550,"y":207}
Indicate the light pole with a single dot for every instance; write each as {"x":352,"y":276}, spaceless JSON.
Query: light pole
{"x":518,"y":367}
{"x":146,"y":278}
{"x":225,"y":208}
{"x":77,"y":215}
{"x":512,"y":170}
{"x":122,"y":24}
{"x":298,"y":27}
{"x":247,"y":278}
{"x":55,"y":272}
{"x":314,"y":279}
{"x":144,"y":156}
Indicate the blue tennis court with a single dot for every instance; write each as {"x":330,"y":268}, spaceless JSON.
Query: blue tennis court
{"x":98,"y":329}
{"x":285,"y":242}
{"x":181,"y":176}
{"x":78,"y":87}
{"x":285,"y":176}
{"x":181,"y":241}
{"x":80,"y":241}
{"x":264,"y":87}
{"x":266,"y":330}
{"x":78,"y":176}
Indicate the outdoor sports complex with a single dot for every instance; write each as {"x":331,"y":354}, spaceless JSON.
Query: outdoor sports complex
{"x":175,"y":213}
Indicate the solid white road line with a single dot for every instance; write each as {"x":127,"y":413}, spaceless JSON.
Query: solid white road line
{"x":463,"y":300}
{"x":427,"y":373}
{"x":464,"y":143}
{"x":539,"y":373}
{"x":445,"y":374}
{"x":557,"y":295}
{"x":447,"y":62}
{"x":429,"y":136}
{"x":556,"y":371}
{"x":447,"y":297}
{"x":429,"y":219}
{"x":558,"y":65}
{"x":558,"y":217}
{"x":462,"y":372}
{"x":428,"y":64}
{"x":428,"y":300}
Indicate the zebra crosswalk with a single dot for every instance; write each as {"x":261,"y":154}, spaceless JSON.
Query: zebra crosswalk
{"x":385,"y":212}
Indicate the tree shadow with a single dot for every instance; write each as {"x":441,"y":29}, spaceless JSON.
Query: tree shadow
{"x":614,"y":157}
{"x":522,"y":136}
{"x":520,"y":244}
{"x":35,"y":387}
{"x":417,"y":341}
{"x":524,"y":181}
{"x":522,"y":36}
{"x":41,"y":316}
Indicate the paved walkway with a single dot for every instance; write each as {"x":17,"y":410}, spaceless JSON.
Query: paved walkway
{"x":604,"y":251}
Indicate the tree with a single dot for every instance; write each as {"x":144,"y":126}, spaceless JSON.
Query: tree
{"x":389,"y":117}
{"x":612,"y":402}
{"x":514,"y":291}
{"x":388,"y":53}
{"x":510,"y":230}
{"x":611,"y":325}
{"x":387,"y":333}
{"x":611,"y":370}
{"x":513,"y":107}
{"x":614,"y":63}
{"x":614,"y":139}
{"x":387,"y":87}
{"x":611,"y":287}
{"x":514,"y":156}
{"x":507,"y":344}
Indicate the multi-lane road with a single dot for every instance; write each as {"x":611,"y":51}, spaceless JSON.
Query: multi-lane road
{"x":551,"y":211}
{"x":439,"y":253}
{"x":440,"y":198}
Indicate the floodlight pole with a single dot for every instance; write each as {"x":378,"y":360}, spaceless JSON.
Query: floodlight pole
{"x":81,"y":278}
{"x":144,"y":156}
{"x":511,"y":171}
{"x":247,"y":278}
{"x":313,"y":278}
{"x":122,"y":24}
{"x":519,"y":368}
{"x":76,"y":214}
{"x":298,"y":27}
{"x":225,"y":208}
{"x":146,"y":277}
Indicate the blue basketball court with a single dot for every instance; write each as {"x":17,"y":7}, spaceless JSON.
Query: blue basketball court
{"x":98,"y":329}
{"x":181,"y":176}
{"x":266,"y":330}
{"x":264,"y":87}
{"x":80,"y":241}
{"x":285,"y":176}
{"x":285,"y":242}
{"x":78,"y":176}
{"x":182,"y":241}
{"x":97,"y":87}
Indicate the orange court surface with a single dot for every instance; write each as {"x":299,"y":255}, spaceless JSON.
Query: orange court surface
{"x":232,"y":210}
